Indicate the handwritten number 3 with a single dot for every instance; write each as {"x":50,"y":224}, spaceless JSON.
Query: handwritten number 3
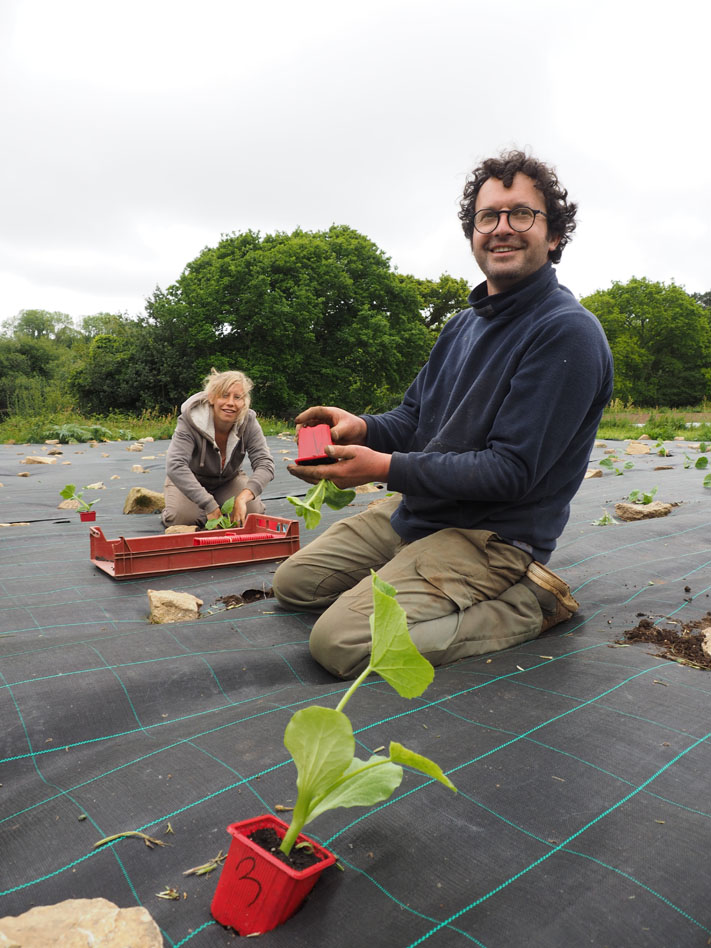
{"x":246,"y":875}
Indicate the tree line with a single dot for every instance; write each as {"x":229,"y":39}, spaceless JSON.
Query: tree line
{"x":314,"y":317}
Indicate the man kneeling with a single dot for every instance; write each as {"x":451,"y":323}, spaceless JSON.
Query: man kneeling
{"x":486,"y":450}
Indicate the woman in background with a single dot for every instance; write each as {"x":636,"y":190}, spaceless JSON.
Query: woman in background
{"x":216,"y":430}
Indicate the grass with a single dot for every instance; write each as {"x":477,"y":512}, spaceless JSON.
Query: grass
{"x":619,"y":423}
{"x":69,"y":426}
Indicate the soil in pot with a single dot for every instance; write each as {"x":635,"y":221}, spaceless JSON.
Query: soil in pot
{"x":299,"y":858}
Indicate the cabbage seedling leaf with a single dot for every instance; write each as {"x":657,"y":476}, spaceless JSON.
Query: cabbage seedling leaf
{"x":408,"y":758}
{"x":364,"y":783}
{"x":394,"y":656}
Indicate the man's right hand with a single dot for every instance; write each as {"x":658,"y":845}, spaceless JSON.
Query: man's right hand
{"x":345,"y":428}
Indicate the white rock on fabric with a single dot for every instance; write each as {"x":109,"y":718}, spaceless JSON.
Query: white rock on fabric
{"x":169,"y":606}
{"x":634,"y":447}
{"x":81,"y":923}
{"x":135,"y":447}
{"x":592,"y":472}
{"x":38,"y":459}
{"x":630,"y":512}
{"x":140,"y":500}
{"x":706,"y":643}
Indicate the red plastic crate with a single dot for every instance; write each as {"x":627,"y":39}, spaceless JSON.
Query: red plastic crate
{"x":261,"y":538}
{"x":312,"y":445}
{"x":256,"y":891}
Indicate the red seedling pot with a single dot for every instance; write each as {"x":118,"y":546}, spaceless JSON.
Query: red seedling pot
{"x":87,"y":515}
{"x":256,"y":891}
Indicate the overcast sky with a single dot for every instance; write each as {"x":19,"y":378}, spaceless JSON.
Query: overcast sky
{"x":135,"y":134}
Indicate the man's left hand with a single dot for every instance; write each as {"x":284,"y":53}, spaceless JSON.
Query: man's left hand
{"x":356,"y":465}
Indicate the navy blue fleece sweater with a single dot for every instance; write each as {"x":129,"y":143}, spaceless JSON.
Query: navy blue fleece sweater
{"x":495,"y":432}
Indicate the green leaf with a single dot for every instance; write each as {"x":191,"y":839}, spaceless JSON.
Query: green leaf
{"x":408,"y":758}
{"x":394,"y":656}
{"x":606,"y":462}
{"x":364,"y":783}
{"x":633,"y":495}
{"x":707,"y":480}
{"x":68,"y":491}
{"x":335,"y":497}
{"x":309,"y":507}
{"x":701,"y":463}
{"x":228,"y":506}
{"x":322,"y":744}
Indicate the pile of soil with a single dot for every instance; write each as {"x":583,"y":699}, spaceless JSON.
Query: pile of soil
{"x":269,"y":839}
{"x":682,"y":643}
{"x":249,"y":595}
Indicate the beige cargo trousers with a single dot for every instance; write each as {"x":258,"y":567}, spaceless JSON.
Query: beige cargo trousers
{"x":459,"y":589}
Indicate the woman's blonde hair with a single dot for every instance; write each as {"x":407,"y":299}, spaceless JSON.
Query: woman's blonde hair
{"x":217,"y":384}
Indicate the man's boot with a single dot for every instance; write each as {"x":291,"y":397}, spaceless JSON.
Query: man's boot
{"x":553,"y":595}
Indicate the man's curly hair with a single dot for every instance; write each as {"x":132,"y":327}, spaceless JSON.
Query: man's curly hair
{"x":560,"y":212}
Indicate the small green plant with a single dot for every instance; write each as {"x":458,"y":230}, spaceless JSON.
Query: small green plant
{"x":642,"y":497}
{"x":687,"y":462}
{"x":605,"y":521}
{"x":701,"y":463}
{"x":610,"y":465}
{"x":325,"y":492}
{"x":662,"y":449}
{"x":225,"y":521}
{"x":69,"y":492}
{"x":703,"y":447}
{"x":321,"y":740}
{"x":707,"y":480}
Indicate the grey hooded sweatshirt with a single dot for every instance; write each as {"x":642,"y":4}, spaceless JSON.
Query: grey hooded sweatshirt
{"x":194,"y":463}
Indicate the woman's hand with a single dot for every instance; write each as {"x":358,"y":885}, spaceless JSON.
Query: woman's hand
{"x":239,"y":511}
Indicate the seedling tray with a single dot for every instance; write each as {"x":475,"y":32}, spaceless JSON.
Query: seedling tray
{"x":261,"y":538}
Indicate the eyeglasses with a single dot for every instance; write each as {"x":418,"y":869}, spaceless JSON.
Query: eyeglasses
{"x":520,"y":219}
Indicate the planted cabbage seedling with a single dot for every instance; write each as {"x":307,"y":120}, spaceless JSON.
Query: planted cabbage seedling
{"x":321,"y":740}
{"x":225,"y":521}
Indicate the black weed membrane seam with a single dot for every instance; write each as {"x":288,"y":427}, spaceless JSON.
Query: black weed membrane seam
{"x":581,"y":759}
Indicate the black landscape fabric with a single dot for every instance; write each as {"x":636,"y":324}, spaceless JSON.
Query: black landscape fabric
{"x":582,"y":761}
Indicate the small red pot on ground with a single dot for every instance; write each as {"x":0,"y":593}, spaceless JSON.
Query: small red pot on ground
{"x":256,"y":891}
{"x":87,"y":515}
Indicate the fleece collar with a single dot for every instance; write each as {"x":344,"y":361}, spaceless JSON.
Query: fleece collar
{"x":515,"y":301}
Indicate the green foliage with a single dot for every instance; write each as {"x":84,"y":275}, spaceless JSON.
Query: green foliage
{"x":80,"y":434}
{"x":114,"y":367}
{"x":605,"y":521}
{"x":225,"y":521}
{"x":321,"y":740}
{"x":642,"y":497}
{"x":69,"y":492}
{"x":325,"y":492}
{"x":701,"y":463}
{"x":660,"y":339}
{"x":439,"y":300}
{"x":707,"y":480}
{"x":611,"y":464}
{"x":310,"y":316}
